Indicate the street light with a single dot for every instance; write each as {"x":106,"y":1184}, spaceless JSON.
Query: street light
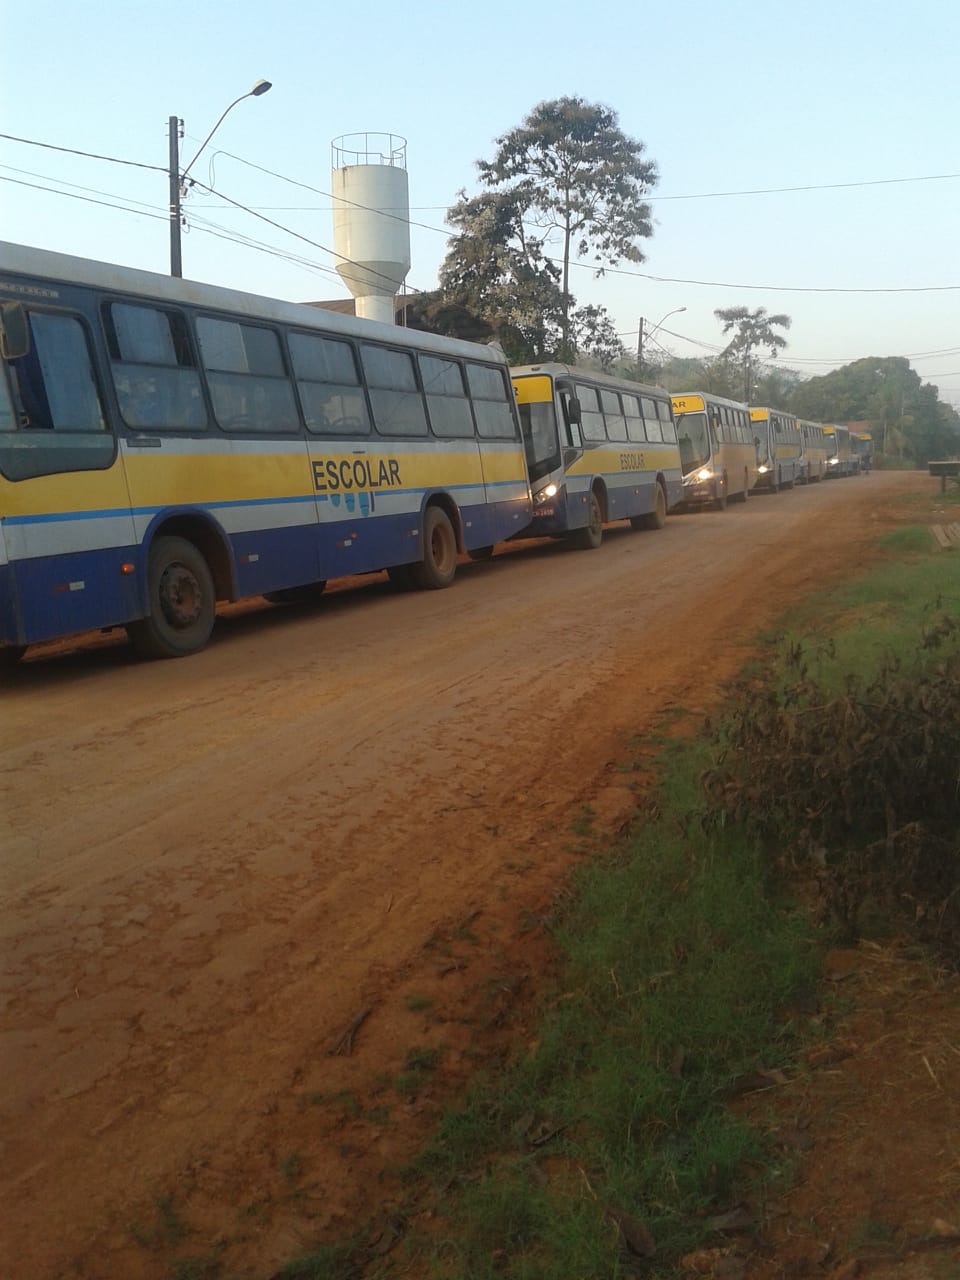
{"x":177,"y":178}
{"x":650,"y":335}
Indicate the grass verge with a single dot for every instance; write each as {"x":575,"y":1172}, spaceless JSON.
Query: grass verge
{"x":609,"y":1147}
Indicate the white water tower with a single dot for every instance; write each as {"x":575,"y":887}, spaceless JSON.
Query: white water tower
{"x":371,"y":219}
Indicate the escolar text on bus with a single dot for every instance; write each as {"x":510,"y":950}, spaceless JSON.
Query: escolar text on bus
{"x":341,"y":475}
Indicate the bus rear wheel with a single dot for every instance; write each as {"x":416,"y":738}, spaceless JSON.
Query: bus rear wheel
{"x":656,"y":518}
{"x":591,"y":535}
{"x":439,"y":564}
{"x":181,"y":599}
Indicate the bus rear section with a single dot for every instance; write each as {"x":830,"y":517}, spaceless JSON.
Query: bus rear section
{"x":717,"y":454}
{"x":598,"y":450}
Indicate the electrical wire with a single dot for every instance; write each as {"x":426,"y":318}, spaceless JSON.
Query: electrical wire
{"x":142,"y":213}
{"x":90,"y":155}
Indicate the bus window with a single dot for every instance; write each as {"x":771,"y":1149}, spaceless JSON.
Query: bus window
{"x":492,"y":402}
{"x":325,"y":370}
{"x":591,"y":418}
{"x":58,"y":423}
{"x":447,"y":402}
{"x":651,"y":420}
{"x":396,"y":400}
{"x":613,"y":415}
{"x":635,"y":431}
{"x":667,"y":427}
{"x":154,"y":372}
{"x":248,"y":384}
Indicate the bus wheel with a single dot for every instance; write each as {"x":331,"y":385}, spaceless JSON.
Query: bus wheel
{"x":656,"y":518}
{"x":439,"y":563}
{"x":481,"y":553}
{"x":309,"y":593}
{"x":590,"y":537}
{"x":181,"y":599}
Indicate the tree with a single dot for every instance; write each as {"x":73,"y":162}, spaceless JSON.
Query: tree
{"x":567,"y":171}
{"x":907,"y":420}
{"x":754,"y":332}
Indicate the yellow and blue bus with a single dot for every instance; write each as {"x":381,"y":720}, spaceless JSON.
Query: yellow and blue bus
{"x":166,"y":444}
{"x":861,"y":449}
{"x":839,"y":452}
{"x":815,"y":452}
{"x":779,"y":448}
{"x":717,"y":453}
{"x":599,"y":449}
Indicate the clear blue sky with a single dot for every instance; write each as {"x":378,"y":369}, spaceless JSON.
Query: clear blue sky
{"x":727,"y":98}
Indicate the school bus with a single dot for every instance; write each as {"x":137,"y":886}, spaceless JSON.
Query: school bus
{"x":717,"y":453}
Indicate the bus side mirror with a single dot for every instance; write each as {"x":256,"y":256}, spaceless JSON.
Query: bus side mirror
{"x":14,"y":332}
{"x":573,"y":410}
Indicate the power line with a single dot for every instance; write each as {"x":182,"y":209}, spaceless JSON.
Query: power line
{"x":142,"y":213}
{"x":820,"y":186}
{"x":315,"y":244}
{"x":770,"y":288}
{"x":90,"y":155}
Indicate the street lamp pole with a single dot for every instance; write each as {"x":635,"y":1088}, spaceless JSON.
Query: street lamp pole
{"x":178,"y":178}
{"x":650,"y":334}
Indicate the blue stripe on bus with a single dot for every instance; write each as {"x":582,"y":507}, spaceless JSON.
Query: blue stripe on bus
{"x":114,"y":513}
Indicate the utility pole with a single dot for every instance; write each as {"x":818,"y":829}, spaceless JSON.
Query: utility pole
{"x":640,"y":351}
{"x":176,"y":260}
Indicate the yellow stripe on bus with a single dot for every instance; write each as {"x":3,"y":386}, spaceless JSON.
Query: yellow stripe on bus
{"x":687,"y":404}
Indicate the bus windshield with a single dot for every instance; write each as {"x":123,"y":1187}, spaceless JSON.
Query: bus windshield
{"x":540,"y":440}
{"x":693,"y":439}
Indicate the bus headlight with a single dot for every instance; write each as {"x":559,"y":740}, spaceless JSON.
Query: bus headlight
{"x":705,"y":474}
{"x":763,"y":469}
{"x":832,"y":462}
{"x":546,"y":493}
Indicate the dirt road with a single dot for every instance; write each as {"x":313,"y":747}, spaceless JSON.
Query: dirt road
{"x":212,"y":867}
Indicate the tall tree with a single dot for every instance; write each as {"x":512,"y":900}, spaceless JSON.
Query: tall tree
{"x":753,"y":331}
{"x":568,"y":172}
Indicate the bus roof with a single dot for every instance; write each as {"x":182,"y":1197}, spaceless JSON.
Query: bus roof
{"x":43,"y":264}
{"x":553,"y":369}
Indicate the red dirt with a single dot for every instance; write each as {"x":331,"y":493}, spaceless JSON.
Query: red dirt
{"x":213,"y":867}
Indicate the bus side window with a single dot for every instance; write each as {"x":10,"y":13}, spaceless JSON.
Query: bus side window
{"x":154,"y":370}
{"x":58,"y":425}
{"x":248,"y":383}
{"x":494,"y":404}
{"x":55,"y":378}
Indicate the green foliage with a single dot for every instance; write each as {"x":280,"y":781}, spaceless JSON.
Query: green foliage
{"x":906,"y":418}
{"x":861,"y":781}
{"x":568,"y":172}
{"x":676,"y":965}
{"x":753,"y":331}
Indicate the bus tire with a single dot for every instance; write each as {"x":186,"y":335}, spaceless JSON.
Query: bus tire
{"x":439,"y":564}
{"x":308,"y":593}
{"x":656,"y":518}
{"x":590,"y":536}
{"x":182,"y":602}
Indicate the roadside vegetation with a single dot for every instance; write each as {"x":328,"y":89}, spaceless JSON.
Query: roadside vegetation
{"x":821,"y":806}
